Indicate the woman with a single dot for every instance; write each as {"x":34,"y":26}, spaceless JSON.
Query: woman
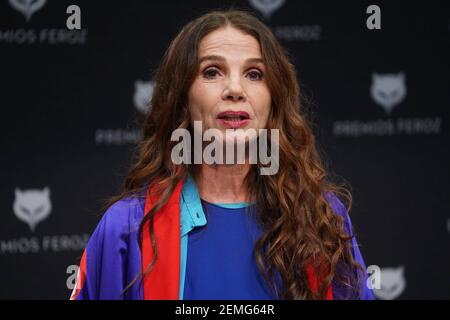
{"x":225,"y":231}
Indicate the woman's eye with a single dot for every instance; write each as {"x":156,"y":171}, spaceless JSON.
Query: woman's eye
{"x":210,"y":73}
{"x":255,"y":75}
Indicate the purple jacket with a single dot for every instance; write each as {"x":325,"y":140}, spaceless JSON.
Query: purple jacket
{"x":112,"y":258}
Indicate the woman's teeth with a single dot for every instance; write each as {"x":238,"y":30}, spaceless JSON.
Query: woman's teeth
{"x":233,"y":118}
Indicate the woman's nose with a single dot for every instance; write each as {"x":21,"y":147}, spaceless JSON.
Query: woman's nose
{"x":233,"y":90}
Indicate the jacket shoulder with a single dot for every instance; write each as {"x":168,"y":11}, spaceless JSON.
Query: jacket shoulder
{"x":123,"y":216}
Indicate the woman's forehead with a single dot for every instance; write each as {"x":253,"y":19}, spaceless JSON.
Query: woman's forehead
{"x":229,"y":42}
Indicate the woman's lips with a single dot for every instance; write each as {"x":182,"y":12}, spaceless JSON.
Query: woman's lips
{"x":233,"y":124}
{"x":233,"y":119}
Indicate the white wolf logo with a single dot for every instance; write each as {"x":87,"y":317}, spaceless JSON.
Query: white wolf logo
{"x":392,"y":283}
{"x":267,"y":7}
{"x":143,"y":92}
{"x":388,"y":90}
{"x":32,"y":206}
{"x":27,"y":7}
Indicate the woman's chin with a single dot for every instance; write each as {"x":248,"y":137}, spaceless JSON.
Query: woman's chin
{"x":238,"y":139}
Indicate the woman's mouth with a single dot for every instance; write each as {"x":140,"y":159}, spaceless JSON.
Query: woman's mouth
{"x":233,"y":119}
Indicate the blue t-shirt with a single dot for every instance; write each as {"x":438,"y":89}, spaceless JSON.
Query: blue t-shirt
{"x":220,"y":256}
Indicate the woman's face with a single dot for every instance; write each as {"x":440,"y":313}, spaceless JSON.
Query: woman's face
{"x":230,"y":90}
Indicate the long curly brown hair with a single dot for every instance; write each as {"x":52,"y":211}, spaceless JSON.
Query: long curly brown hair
{"x":300,"y":226}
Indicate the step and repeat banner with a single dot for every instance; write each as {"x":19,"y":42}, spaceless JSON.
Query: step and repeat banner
{"x":75,"y":82}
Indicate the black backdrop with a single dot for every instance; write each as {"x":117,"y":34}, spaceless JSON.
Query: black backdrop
{"x":70,"y":115}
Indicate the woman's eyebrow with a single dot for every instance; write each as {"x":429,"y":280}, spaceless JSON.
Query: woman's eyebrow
{"x":222,"y":59}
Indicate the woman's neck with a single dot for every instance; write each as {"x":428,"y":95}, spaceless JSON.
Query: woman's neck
{"x":223,"y":183}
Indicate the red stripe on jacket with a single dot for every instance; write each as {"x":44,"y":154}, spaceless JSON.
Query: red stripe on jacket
{"x":163,"y":281}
